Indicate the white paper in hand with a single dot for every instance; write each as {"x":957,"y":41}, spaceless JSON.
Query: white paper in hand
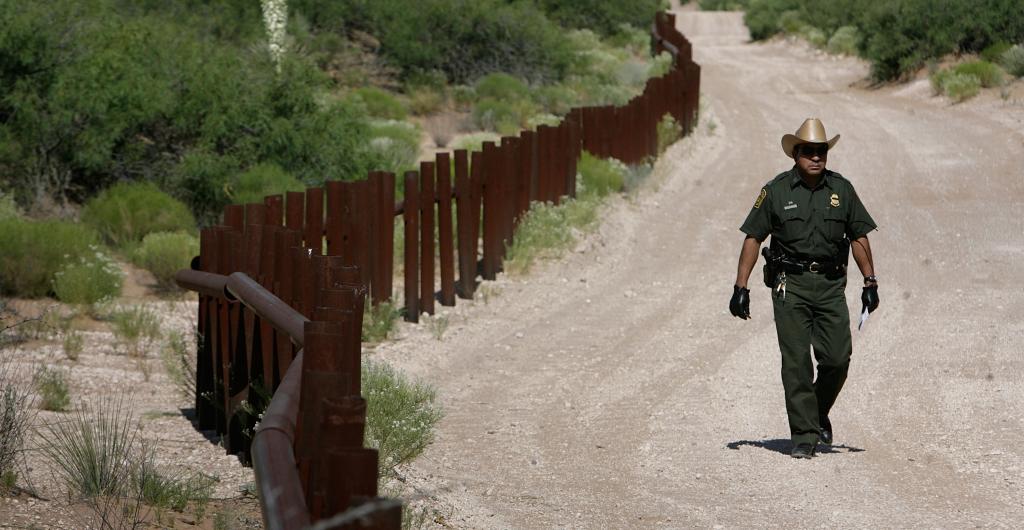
{"x":863,"y":318}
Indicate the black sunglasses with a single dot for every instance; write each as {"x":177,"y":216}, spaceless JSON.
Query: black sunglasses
{"x":810,"y":150}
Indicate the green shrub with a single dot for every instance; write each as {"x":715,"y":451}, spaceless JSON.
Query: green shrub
{"x":669,"y":132}
{"x":51,"y":383}
{"x":815,"y":36}
{"x":171,"y":492}
{"x":790,"y":22}
{"x":660,"y":65}
{"x":395,"y":145}
{"x":599,"y":176}
{"x":547,"y":230}
{"x":8,"y":209}
{"x":73,"y":343}
{"x":987,"y":73}
{"x":723,"y":5}
{"x":542,"y":119}
{"x":462,"y":40}
{"x":556,"y":99}
{"x":503,"y":116}
{"x":164,"y":254}
{"x":1013,"y":61}
{"x":501,"y":86}
{"x":844,"y":41}
{"x":179,"y":93}
{"x":438,"y":324}
{"x":378,"y":321}
{"x":938,"y":79}
{"x":962,"y":86}
{"x":400,"y":415}
{"x":475,"y":141}
{"x":762,"y":16}
{"x":32,"y":251}
{"x":93,"y":455}
{"x":179,"y":360}
{"x":124,"y":213}
{"x":89,"y":279}
{"x":602,"y":16}
{"x":541,"y":231}
{"x":259,"y":181}
{"x":463,"y":96}
{"x":635,"y":39}
{"x":994,"y":52}
{"x":135,"y":328}
{"x":16,"y":417}
{"x":424,"y":100}
{"x":381,"y":104}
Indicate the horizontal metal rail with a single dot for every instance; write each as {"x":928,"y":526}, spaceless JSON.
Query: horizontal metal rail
{"x":204,"y":283}
{"x":266,"y":306}
{"x":273,"y":444}
{"x":663,"y":41}
{"x":273,"y":456}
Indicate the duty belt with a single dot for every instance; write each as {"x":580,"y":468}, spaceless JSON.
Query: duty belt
{"x":793,"y":265}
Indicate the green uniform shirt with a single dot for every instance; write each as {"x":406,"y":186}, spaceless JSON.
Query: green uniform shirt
{"x":806,"y":223}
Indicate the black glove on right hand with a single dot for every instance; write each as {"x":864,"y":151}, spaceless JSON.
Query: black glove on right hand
{"x":870,"y":298}
{"x":739,"y":306}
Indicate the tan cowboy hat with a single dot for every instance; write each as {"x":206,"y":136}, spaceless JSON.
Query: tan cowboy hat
{"x":811,"y":132}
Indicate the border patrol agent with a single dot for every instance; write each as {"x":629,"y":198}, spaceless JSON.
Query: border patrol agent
{"x":814,"y":218}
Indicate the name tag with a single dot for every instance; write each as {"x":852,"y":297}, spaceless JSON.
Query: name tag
{"x":789,"y":206}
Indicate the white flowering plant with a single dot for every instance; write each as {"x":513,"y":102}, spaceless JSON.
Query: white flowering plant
{"x":89,"y":279}
{"x":400,"y":415}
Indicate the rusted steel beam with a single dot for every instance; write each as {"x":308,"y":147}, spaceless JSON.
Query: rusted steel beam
{"x":491,"y":211}
{"x":373,"y":232}
{"x":427,"y":179}
{"x":234,"y":216}
{"x":464,"y":222}
{"x":355,"y":232}
{"x":275,"y":209}
{"x":266,"y":306}
{"x":476,"y":186}
{"x":575,"y":121}
{"x":314,"y":232}
{"x":333,"y":219}
{"x":445,"y":236}
{"x":267,"y":256}
{"x":273,"y":457}
{"x":385,"y":238}
{"x":412,"y":232}
{"x":559,"y":157}
{"x":524,"y":173}
{"x":294,"y":211}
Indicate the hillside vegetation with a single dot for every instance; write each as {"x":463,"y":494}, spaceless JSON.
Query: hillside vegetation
{"x":897,"y":36}
{"x":185,"y":94}
{"x":113,"y":109}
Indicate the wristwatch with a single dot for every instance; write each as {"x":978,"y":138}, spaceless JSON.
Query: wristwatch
{"x":870,"y":279}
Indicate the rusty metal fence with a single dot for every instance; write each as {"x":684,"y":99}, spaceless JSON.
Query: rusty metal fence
{"x":282,"y":287}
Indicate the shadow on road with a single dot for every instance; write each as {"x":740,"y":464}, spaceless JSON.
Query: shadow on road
{"x":784,"y":446}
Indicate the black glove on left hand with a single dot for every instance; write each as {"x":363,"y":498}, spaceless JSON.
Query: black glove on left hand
{"x":870,"y":298}
{"x":739,"y":306}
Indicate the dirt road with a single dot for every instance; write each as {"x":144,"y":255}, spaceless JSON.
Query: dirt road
{"x":614,"y":390}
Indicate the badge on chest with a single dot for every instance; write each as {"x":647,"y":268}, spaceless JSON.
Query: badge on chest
{"x":834,"y":200}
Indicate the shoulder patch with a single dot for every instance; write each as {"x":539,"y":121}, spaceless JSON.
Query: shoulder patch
{"x":760,"y":198}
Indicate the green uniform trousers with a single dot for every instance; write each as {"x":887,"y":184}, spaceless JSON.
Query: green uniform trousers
{"x":813,"y":313}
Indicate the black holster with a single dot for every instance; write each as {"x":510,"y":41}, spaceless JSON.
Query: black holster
{"x":772,"y":266}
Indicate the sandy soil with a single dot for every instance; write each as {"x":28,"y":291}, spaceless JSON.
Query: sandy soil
{"x":104,"y":372}
{"x":613,"y":389}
